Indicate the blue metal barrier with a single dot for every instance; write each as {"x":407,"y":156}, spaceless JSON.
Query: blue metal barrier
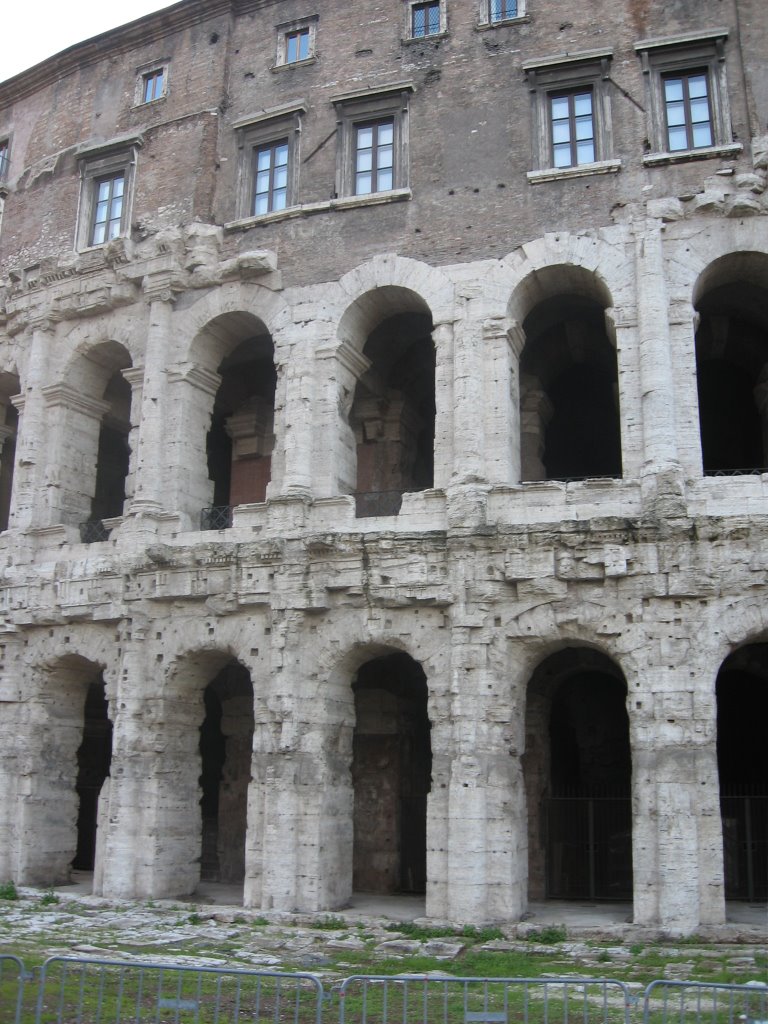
{"x":701,"y":1002}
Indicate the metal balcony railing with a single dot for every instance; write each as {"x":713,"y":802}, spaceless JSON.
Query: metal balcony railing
{"x":216,"y":517}
{"x":92,"y":531}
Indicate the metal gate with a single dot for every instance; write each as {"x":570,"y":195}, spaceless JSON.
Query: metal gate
{"x":12,"y":978}
{"x":426,"y":999}
{"x":745,"y":845}
{"x":693,"y":1002}
{"x":113,"y":992}
{"x":589,"y":847}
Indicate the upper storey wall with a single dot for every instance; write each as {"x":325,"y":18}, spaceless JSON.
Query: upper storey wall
{"x":473,"y":132}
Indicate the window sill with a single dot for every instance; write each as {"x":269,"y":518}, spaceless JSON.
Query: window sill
{"x":157,"y":102}
{"x":521,"y":19}
{"x":308,"y":209}
{"x":582,"y":171}
{"x":295,"y":63}
{"x":685,"y":155}
{"x":432,"y":38}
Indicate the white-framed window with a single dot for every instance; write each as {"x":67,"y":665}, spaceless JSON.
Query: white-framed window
{"x":269,"y":160}
{"x":571,"y":115}
{"x":5,"y":158}
{"x":372,"y":139}
{"x":491,"y":13}
{"x":686,"y":97}
{"x":296,"y":42}
{"x":425,"y":19}
{"x":151,"y":82}
{"x":107,"y":175}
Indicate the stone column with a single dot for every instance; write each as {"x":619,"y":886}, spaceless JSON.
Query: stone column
{"x":662,"y":478}
{"x":134,"y":375}
{"x":487,"y":846}
{"x":442,"y":337}
{"x":156,"y":481}
{"x":191,"y":393}
{"x":293,"y":462}
{"x":468,"y":400}
{"x":502,"y":345}
{"x":339,"y":368}
{"x":29,"y":507}
{"x":74,"y":422}
{"x":677,"y":832}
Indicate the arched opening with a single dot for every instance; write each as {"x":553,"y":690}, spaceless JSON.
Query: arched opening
{"x":240,"y":440}
{"x":93,"y":414}
{"x":391,"y":775}
{"x":732,"y":364}
{"x":742,"y":713}
{"x":226,"y":741}
{"x":392,"y":415}
{"x":578,"y":772}
{"x":112,"y":460}
{"x":93,"y":762}
{"x":569,"y":404}
{"x":9,"y":420}
{"x":74,"y":732}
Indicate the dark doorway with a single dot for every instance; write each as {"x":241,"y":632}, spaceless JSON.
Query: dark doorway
{"x":93,"y":762}
{"x":391,"y":774}
{"x":578,"y":779}
{"x":226,"y":740}
{"x":113,"y":455}
{"x":742,"y":713}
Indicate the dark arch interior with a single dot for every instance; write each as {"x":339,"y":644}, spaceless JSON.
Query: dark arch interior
{"x":393,"y":414}
{"x":93,"y":762}
{"x":742,"y":759}
{"x":578,"y":771}
{"x":112,"y":460}
{"x":240,"y":439}
{"x":7,"y":460}
{"x":226,"y":740}
{"x":569,"y":392}
{"x":731,"y":357}
{"x":391,"y":774}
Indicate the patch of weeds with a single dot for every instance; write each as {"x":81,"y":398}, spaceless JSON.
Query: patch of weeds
{"x":259,"y":922}
{"x":548,"y":936}
{"x":417,"y":931}
{"x":8,"y":891}
{"x":636,"y":949}
{"x":481,"y":934}
{"x":195,"y":918}
{"x":330,"y":924}
{"x":49,"y":898}
{"x":604,"y":957}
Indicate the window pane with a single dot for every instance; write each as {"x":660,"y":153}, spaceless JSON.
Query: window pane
{"x":675,"y":114}
{"x":262,"y":181}
{"x":114,"y":229}
{"x":697,"y":86}
{"x":363,"y":184}
{"x":263,"y":159}
{"x":562,"y":156}
{"x":561,"y":132}
{"x":117,"y":207}
{"x":673,"y":89}
{"x":702,"y":135}
{"x":103,"y":190}
{"x":386,"y":134}
{"x":279,"y":199}
{"x":584,"y":128}
{"x":364,"y":138}
{"x":281,"y":177}
{"x":365,"y":160}
{"x":281,"y":154}
{"x":677,"y":139}
{"x":291,"y":49}
{"x":699,"y":110}
{"x":98,"y":234}
{"x":582,"y":104}
{"x":101,"y":212}
{"x":304,"y":45}
{"x":384,"y":155}
{"x":385,"y":180}
{"x":585,"y":153}
{"x":559,"y":107}
{"x":434,"y":19}
{"x":118,"y":184}
{"x":261,"y":204}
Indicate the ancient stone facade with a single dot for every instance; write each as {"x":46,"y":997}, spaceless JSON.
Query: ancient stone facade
{"x":384,"y":445}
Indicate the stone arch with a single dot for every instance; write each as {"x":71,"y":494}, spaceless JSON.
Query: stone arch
{"x":578,"y":773}
{"x":205,"y":718}
{"x":65,"y":768}
{"x":741,"y":696}
{"x":90,"y":415}
{"x":730,"y":296}
{"x":379,"y":706}
{"x":226,"y":394}
{"x":9,"y":424}
{"x":569,"y":402}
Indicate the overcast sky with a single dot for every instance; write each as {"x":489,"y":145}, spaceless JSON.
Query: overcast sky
{"x":31,"y":30}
